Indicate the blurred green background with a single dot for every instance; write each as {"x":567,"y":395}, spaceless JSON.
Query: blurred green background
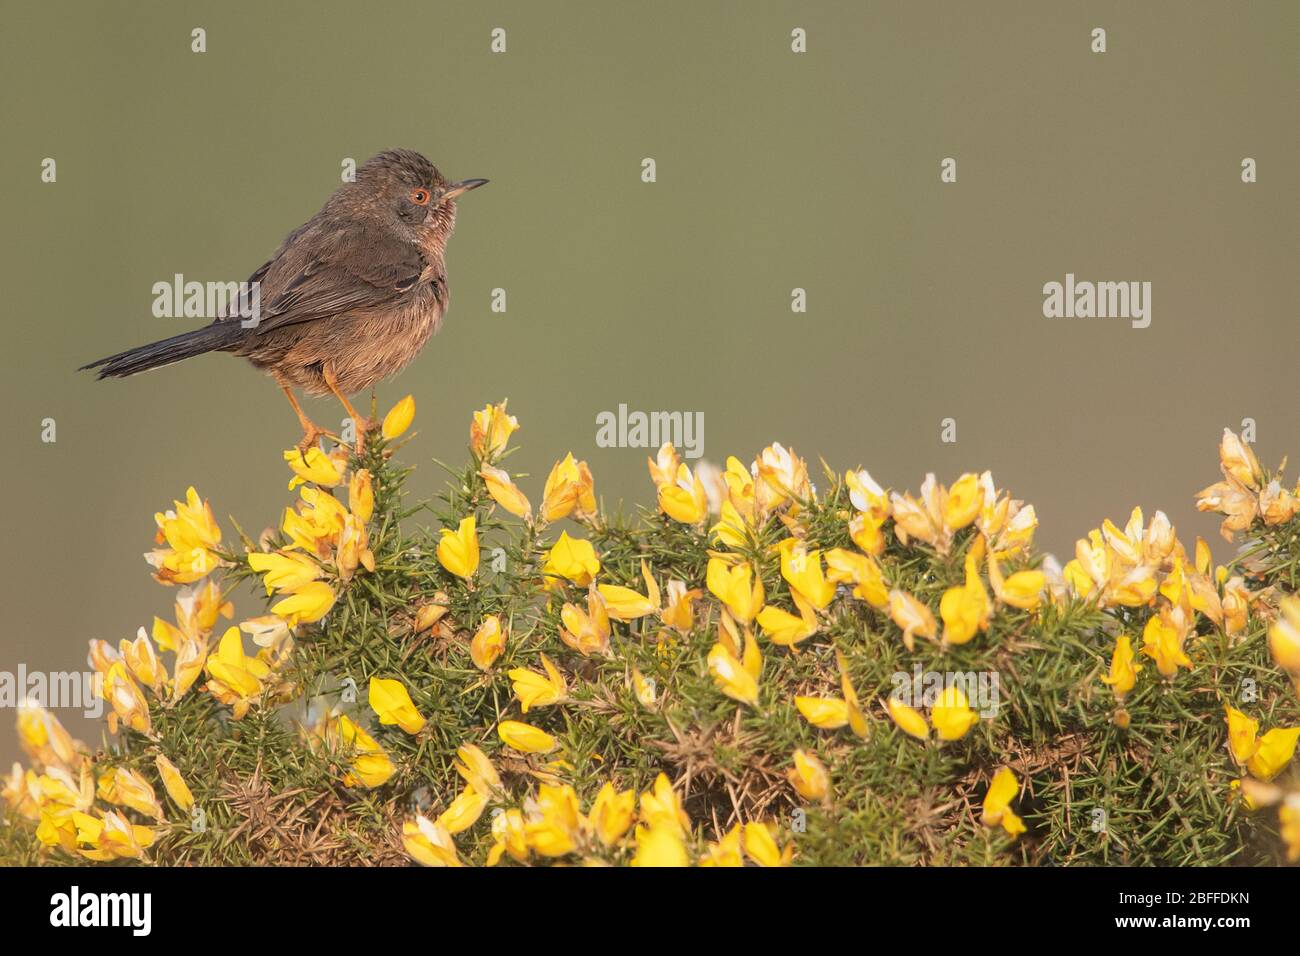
{"x":775,"y":171}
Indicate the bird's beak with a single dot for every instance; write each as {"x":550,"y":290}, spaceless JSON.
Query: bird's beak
{"x":464,"y":186}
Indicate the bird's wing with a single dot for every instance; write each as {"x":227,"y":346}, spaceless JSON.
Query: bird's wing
{"x":331,"y":268}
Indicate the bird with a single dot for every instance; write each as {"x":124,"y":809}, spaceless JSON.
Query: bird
{"x":348,"y":299}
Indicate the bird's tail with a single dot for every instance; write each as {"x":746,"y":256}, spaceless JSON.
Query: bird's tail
{"x":210,"y":338}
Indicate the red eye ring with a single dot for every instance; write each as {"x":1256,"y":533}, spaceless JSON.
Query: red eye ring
{"x":420,"y":197}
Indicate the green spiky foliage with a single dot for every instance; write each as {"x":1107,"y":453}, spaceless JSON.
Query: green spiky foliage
{"x":1158,"y":791}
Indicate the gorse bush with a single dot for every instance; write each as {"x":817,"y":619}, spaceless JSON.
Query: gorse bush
{"x":762,"y":669}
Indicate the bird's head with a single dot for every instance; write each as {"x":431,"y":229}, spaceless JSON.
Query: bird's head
{"x":409,"y":190}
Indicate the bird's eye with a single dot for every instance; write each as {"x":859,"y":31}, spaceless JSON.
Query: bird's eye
{"x":420,"y":197}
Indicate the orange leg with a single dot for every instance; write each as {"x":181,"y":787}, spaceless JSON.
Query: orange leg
{"x":311,"y":432}
{"x":360,"y":422}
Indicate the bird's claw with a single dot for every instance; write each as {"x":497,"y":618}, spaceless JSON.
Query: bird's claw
{"x":310,"y":436}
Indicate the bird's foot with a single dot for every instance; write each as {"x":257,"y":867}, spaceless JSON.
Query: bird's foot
{"x":363,"y":427}
{"x":311,"y":434}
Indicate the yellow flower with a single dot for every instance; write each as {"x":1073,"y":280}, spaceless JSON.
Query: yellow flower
{"x":490,"y":432}
{"x":737,"y":587}
{"x":525,"y":737}
{"x":110,"y":837}
{"x":1263,"y":756}
{"x":21,"y":793}
{"x":1236,"y":605}
{"x":866,"y":494}
{"x":488,"y":643}
{"x":554,"y":821}
{"x":1163,"y":640}
{"x":234,"y":678}
{"x":191,"y":534}
{"x":126,"y":788}
{"x":809,"y":777}
{"x":760,"y":846}
{"x":586,"y":632}
{"x":997,"y":803}
{"x":612,"y":813}
{"x":1136,"y":588}
{"x":659,"y":845}
{"x":1289,"y":817}
{"x":429,"y":614}
{"x":802,"y":570}
{"x":43,"y":737}
{"x":1238,"y":460}
{"x":951,"y":714}
{"x":1276,"y":748}
{"x":643,"y":689}
{"x":538,"y":690}
{"x":458,"y":550}
{"x":963,"y":502}
{"x":663,"y":468}
{"x":678,"y":612}
{"x":661,"y":806}
{"x":315,"y":525}
{"x":684,"y":500}
{"x":782,"y":478}
{"x":284,"y":570}
{"x":1276,"y":504}
{"x":731,"y":529}
{"x":196,"y":609}
{"x":961,"y":609}
{"x":868,"y":534}
{"x":921,"y":519}
{"x":392,"y":703}
{"x":1284,"y":637}
{"x":398,"y":419}
{"x":911,"y":616}
{"x":784,"y":628}
{"x":126,"y":699}
{"x":572,"y":558}
{"x":57,"y":793}
{"x":1242,"y":730}
{"x":371,"y":766}
{"x":428,"y":843}
{"x":569,"y":489}
{"x":725,"y":852}
{"x":174,"y":783}
{"x":316,"y":467}
{"x":828,"y":713}
{"x":191,"y":657}
{"x":731,"y":676}
{"x":966,"y":609}
{"x":477,"y":770}
{"x":361,"y":495}
{"x":1237,"y":495}
{"x":510,"y":836}
{"x":353,"y":548}
{"x":908,"y":719}
{"x":306,"y":605}
{"x":1007,"y":524}
{"x":1023,"y":590}
{"x":505,"y":492}
{"x":849,"y":567}
{"x":464,"y":811}
{"x":1123,"y":670}
{"x":624,"y":604}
